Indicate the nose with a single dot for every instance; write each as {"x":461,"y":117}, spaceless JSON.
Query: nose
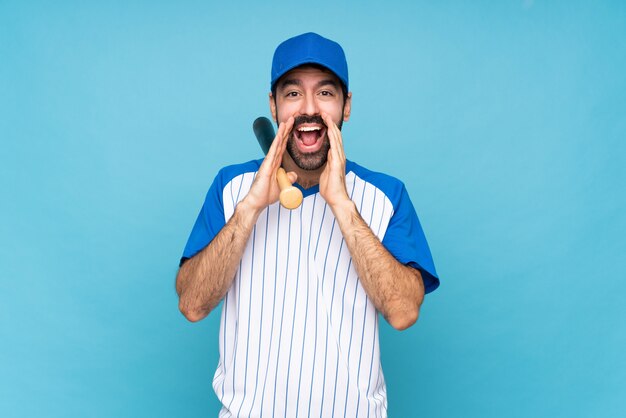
{"x":309,"y":105}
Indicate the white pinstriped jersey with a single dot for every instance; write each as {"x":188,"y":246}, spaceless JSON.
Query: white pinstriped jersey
{"x":298,"y":334}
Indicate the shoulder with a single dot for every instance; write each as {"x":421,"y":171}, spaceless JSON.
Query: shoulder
{"x":228,"y":173}
{"x":390,"y":186}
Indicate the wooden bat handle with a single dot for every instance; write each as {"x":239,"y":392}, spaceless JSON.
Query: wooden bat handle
{"x":290,"y":196}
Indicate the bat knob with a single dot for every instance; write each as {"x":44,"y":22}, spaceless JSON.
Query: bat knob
{"x":290,"y":197}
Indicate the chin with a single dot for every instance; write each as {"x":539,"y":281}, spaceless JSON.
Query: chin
{"x":311,"y":161}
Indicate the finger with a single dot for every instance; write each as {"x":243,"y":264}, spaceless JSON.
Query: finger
{"x":275,"y":153}
{"x":283,"y":132}
{"x":293,"y":177}
{"x":282,"y":137}
{"x":338,"y":142}
{"x":339,"y":139}
{"x":333,"y":130}
{"x":271,"y":153}
{"x":332,"y":125}
{"x":288,"y":125}
{"x":334,"y":135}
{"x":330,"y":129}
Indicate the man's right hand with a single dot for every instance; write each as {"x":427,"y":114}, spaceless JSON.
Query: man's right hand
{"x":205,"y":278}
{"x":264,"y":190}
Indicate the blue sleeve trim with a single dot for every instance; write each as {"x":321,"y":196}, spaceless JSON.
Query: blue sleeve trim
{"x":211,"y":218}
{"x":390,"y":186}
{"x":404,"y":237}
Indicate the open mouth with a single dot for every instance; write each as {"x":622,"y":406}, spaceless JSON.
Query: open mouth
{"x":309,"y":136}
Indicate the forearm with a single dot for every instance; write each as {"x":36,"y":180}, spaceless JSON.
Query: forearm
{"x":396,"y":290}
{"x":205,"y":278}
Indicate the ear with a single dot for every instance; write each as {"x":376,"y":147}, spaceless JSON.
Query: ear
{"x":273,"y":107}
{"x":347,"y":107}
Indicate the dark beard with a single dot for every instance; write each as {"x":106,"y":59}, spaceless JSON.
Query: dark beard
{"x":314,"y":160}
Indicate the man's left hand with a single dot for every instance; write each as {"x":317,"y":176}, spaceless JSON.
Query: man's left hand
{"x":333,"y":178}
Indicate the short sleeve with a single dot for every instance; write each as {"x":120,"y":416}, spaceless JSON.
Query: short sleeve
{"x":209,"y":222}
{"x":405,"y":240}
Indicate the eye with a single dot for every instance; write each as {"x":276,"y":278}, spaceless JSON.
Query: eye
{"x":291,"y":94}
{"x":326,"y":93}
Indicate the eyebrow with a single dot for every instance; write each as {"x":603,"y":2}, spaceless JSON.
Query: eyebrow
{"x":328,"y":82}
{"x":296,"y":82}
{"x":290,"y":82}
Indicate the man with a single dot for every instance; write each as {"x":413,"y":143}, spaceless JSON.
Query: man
{"x":302,"y":288}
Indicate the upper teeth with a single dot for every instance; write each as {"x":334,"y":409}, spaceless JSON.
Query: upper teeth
{"x":309,"y":128}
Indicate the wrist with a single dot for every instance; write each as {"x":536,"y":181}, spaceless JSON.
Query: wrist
{"x":344,"y":209}
{"x":248,"y":212}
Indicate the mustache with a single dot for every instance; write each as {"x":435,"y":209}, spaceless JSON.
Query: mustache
{"x":299,"y":120}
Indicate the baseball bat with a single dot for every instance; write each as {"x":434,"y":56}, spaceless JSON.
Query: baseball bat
{"x":290,"y":196}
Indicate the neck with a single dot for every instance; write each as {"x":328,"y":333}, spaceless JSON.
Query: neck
{"x":306,"y":178}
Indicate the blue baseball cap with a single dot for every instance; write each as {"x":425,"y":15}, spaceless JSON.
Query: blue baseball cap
{"x":309,"y":48}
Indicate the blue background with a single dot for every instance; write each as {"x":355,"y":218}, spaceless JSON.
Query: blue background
{"x":506,"y":120}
